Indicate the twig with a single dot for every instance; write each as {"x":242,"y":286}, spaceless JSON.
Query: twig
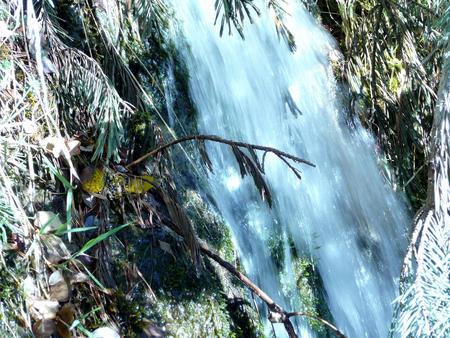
{"x":323,"y":321}
{"x":281,"y":154}
{"x":276,"y":312}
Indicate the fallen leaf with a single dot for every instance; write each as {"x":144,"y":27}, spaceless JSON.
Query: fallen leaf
{"x":29,"y":287}
{"x":41,"y":309}
{"x":166,"y":247}
{"x":44,"y":328}
{"x":54,"y":248}
{"x":79,"y":277}
{"x":59,"y":289}
{"x":66,"y":316}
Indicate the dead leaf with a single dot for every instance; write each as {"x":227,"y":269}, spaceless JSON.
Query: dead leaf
{"x":150,"y":330}
{"x":44,"y":328}
{"x":29,"y":287}
{"x":54,"y":248}
{"x":80,"y":277}
{"x":66,"y":316}
{"x":59,"y":289}
{"x":42,"y":309}
{"x":166,"y":247}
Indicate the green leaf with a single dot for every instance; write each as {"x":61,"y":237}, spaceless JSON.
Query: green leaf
{"x":93,"y":242}
{"x":67,"y":231}
{"x":56,"y":172}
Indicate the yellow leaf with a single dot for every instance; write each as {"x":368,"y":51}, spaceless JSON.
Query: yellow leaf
{"x":92,"y":180}
{"x":139,"y":184}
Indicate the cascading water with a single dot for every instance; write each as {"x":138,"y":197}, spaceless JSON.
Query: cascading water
{"x":342,"y":214}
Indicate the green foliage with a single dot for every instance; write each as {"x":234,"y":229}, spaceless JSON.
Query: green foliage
{"x":391,"y":62}
{"x":205,"y":317}
{"x":209,"y":225}
{"x":305,"y":274}
{"x":6,"y":222}
{"x":93,"y":242}
{"x":422,"y":309}
{"x":233,"y":13}
{"x":11,"y":301}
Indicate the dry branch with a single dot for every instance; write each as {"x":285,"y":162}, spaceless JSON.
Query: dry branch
{"x":281,"y":154}
{"x":276,"y":313}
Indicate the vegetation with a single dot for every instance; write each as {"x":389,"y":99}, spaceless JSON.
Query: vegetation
{"x":88,"y":187}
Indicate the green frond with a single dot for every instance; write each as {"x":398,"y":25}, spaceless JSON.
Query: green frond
{"x":89,"y":99}
{"x":424,"y":307}
{"x":150,"y":15}
{"x":233,"y":13}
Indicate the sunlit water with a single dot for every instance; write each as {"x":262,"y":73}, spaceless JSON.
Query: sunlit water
{"x":342,"y":214}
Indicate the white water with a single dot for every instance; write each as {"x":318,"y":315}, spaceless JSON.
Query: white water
{"x":342,"y":214}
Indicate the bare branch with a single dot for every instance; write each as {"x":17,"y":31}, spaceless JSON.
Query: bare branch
{"x":281,"y":154}
{"x":276,"y":312}
{"x":323,"y":321}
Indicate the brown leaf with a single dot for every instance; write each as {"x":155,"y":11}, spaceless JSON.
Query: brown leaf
{"x":66,"y":316}
{"x":150,"y":330}
{"x":41,"y":309}
{"x":55,"y":249}
{"x":180,"y":218}
{"x":204,"y":155}
{"x":247,"y":166}
{"x":59,"y":288}
{"x":44,"y":328}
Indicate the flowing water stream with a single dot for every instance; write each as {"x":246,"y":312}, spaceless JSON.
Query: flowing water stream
{"x":342,"y":214}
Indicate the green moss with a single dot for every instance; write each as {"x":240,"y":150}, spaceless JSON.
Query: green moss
{"x":303,"y":269}
{"x":209,"y":225}
{"x":204,"y":317}
{"x":276,"y":243}
{"x":310,"y":290}
{"x":245,"y":320}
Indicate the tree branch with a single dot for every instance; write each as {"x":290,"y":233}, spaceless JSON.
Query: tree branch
{"x":323,"y":321}
{"x":276,"y":312}
{"x":280,"y":154}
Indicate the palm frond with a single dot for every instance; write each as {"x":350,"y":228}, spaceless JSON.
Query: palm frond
{"x":150,"y":15}
{"x":233,"y":13}
{"x":282,"y":30}
{"x":89,"y":99}
{"x":424,"y":307}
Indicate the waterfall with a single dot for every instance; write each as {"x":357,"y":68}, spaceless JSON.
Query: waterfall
{"x":343,"y":214}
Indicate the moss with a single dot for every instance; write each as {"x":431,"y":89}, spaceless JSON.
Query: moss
{"x":275,"y":244}
{"x":204,"y":317}
{"x":245,"y":320}
{"x":190,"y":302}
{"x":310,"y":290}
{"x":209,"y":225}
